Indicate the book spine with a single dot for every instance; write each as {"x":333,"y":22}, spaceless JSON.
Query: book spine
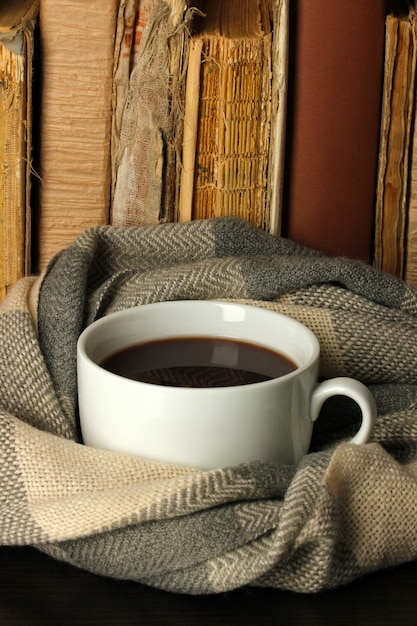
{"x":146,"y":189}
{"x":411,"y":213}
{"x":77,"y":40}
{"x":393,"y":198}
{"x":133,"y":15}
{"x":334,"y":101}
{"x":233,"y":129}
{"x":15,"y":147}
{"x":276,"y":167}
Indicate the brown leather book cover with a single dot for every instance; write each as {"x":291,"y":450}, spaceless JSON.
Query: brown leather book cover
{"x":333,"y":116}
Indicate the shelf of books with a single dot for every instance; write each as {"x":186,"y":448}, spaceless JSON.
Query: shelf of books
{"x":291,"y":114}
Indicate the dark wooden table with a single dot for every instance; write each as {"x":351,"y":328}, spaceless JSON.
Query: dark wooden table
{"x":35,"y":589}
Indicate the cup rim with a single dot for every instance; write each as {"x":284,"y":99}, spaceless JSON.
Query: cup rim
{"x":96,"y":325}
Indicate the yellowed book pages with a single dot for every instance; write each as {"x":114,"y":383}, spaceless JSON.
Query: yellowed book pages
{"x":17,"y":24}
{"x":395,"y":143}
{"x":235,"y":113}
{"x":77,"y":39}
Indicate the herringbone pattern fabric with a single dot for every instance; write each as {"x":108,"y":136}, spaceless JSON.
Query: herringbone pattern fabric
{"x":344,"y":511}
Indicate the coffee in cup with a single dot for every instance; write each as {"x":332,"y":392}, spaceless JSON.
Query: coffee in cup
{"x":201,"y":362}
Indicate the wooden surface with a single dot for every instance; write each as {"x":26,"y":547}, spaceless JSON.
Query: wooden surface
{"x":34,"y":589}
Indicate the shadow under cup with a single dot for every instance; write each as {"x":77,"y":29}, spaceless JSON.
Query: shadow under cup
{"x":207,"y":427}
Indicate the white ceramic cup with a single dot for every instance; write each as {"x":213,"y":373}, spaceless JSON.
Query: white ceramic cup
{"x":207,"y":428}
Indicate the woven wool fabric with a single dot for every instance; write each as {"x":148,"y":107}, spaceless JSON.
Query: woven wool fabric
{"x":344,"y":511}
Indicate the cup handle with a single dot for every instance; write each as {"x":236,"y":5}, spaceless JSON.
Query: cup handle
{"x":351,"y":388}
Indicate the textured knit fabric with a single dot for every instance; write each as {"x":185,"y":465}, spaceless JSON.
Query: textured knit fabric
{"x":344,"y":511}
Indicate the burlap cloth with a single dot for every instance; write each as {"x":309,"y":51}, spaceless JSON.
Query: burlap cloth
{"x":346,"y":510}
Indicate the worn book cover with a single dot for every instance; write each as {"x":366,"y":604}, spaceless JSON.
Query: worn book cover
{"x":77,"y":40}
{"x":18,"y":21}
{"x":395,"y":203}
{"x":150,"y":60}
{"x":133,"y":15}
{"x":234,"y":123}
{"x":402,"y":246}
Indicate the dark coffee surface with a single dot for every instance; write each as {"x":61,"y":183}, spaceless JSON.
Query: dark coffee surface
{"x":198,"y":362}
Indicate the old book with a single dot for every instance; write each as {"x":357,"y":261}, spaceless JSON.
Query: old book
{"x":410,"y":274}
{"x":234,"y":123}
{"x":333,"y":116}
{"x":17,"y":29}
{"x":149,"y":112}
{"x":410,"y":247}
{"x":407,"y":244}
{"x":133,"y":15}
{"x":395,"y":199}
{"x":77,"y":40}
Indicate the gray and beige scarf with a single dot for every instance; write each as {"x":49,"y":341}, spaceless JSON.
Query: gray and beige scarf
{"x":344,"y":511}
